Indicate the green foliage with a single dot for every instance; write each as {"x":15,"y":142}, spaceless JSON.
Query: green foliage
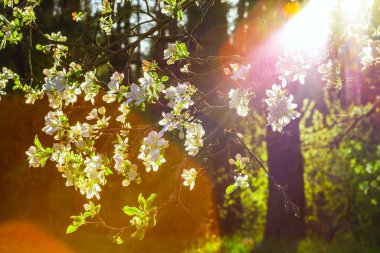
{"x":144,"y":216}
{"x":176,"y":52}
{"x":11,"y":27}
{"x":341,"y":169}
{"x":231,"y":188}
{"x":78,"y":220}
{"x":173,"y":8}
{"x":233,"y":244}
{"x":340,"y":245}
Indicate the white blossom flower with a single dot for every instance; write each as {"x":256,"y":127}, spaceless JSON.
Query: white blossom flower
{"x":240,"y":161}
{"x":176,"y":51}
{"x":152,"y":150}
{"x":80,"y":131}
{"x":366,"y":57}
{"x":293,"y":66}
{"x":94,"y":169}
{"x":239,"y":71}
{"x":169,"y":52}
{"x":136,"y":94}
{"x":60,"y":154}
{"x":92,"y":115}
{"x":70,"y":94}
{"x":239,"y":100}
{"x":95,"y":174}
{"x":69,"y":178}
{"x":132,"y":175}
{"x":33,"y":94}
{"x":194,"y":141}
{"x":241,"y":181}
{"x":114,"y":87}
{"x":179,"y":97}
{"x":120,"y":155}
{"x":370,"y":54}
{"x":150,"y":87}
{"x":280,"y":108}
{"x":34,"y":161}
{"x":90,"y":87}
{"x":331,"y":73}
{"x":124,"y":109}
{"x":168,"y":121}
{"x":90,"y":190}
{"x":115,"y":81}
{"x":5,"y":76}
{"x":55,"y":82}
{"x":171,"y":93}
{"x":189,"y":177}
{"x":53,"y":122}
{"x":147,"y":81}
{"x":54,"y":86}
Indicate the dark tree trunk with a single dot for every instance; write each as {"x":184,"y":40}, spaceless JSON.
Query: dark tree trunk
{"x":286,"y":166}
{"x":222,"y":176}
{"x":212,"y":36}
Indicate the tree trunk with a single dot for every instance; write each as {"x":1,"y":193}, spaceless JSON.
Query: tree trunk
{"x":211,"y":34}
{"x":286,"y":166}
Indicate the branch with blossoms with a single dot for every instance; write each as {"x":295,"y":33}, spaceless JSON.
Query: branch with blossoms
{"x":79,"y":148}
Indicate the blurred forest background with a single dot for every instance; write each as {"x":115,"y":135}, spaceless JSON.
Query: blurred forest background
{"x":329,"y":163}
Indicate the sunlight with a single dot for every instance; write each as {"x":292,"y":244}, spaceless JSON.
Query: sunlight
{"x":352,"y":9}
{"x":308,"y":30}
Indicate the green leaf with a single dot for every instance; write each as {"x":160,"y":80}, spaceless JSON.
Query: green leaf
{"x":150,"y":200}
{"x":117,"y":240}
{"x":87,"y":214}
{"x":71,"y":229}
{"x":43,"y":161}
{"x":38,"y":143}
{"x":164,"y":78}
{"x":230,"y":189}
{"x":131,"y":210}
{"x":141,"y":200}
{"x":39,"y":47}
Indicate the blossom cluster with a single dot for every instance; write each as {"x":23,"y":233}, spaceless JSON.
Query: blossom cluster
{"x":239,"y":99}
{"x":122,"y":165}
{"x":175,"y":52}
{"x":292,"y":67}
{"x":152,"y":150}
{"x":172,"y":8}
{"x":189,"y":177}
{"x":194,"y":135}
{"x":179,"y":100}
{"x":5,"y":76}
{"x":238,"y":71}
{"x":240,"y":174}
{"x":280,"y":108}
{"x":332,"y":73}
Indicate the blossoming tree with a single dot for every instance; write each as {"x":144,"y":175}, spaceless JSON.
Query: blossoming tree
{"x":159,"y":86}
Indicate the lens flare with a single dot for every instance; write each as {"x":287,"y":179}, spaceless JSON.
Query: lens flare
{"x":308,"y":30}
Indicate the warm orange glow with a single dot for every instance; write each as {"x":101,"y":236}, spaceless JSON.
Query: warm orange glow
{"x":24,"y":237}
{"x":291,"y":9}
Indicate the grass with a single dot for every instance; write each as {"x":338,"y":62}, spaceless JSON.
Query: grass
{"x":239,"y":244}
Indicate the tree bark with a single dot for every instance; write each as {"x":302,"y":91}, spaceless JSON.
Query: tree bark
{"x":286,"y":166}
